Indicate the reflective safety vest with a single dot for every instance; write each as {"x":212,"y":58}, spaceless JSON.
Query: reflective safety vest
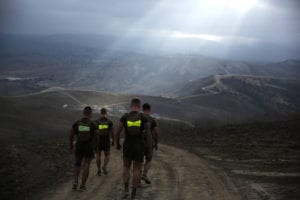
{"x":103,"y":127}
{"x":83,"y":128}
{"x":134,"y":123}
{"x":84,"y":131}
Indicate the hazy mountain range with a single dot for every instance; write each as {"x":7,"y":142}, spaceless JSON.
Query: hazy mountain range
{"x":90,"y":63}
{"x":32,"y":64}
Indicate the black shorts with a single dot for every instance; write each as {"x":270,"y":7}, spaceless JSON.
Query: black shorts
{"x":103,"y":146}
{"x":82,"y":151}
{"x":133,"y":151}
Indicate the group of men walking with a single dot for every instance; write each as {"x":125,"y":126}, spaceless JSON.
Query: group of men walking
{"x":88,"y":137}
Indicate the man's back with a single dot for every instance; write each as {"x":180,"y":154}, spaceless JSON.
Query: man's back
{"x":153,"y":125}
{"x":105,"y":127}
{"x":84,"y":130}
{"x":134,"y":123}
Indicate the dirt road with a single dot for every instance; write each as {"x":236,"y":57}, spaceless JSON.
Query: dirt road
{"x":175,"y":174}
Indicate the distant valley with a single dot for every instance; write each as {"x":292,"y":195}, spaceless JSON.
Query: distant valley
{"x":226,"y":89}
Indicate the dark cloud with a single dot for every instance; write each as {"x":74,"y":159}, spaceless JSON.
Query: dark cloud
{"x":270,"y":21}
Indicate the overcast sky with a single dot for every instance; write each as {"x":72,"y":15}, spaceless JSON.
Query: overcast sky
{"x":224,"y":23}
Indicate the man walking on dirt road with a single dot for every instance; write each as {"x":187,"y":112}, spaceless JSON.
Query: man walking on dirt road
{"x":84,"y":130}
{"x":136,"y":126}
{"x":104,"y":133}
{"x":154,"y":145}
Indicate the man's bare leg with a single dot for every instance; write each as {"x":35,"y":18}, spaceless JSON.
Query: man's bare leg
{"x":98,"y":161}
{"x":106,"y":161}
{"x":76,"y":176}
{"x":77,"y":167}
{"x":86,"y":170}
{"x":137,"y":167}
{"x":126,"y":176}
{"x":147,"y":166}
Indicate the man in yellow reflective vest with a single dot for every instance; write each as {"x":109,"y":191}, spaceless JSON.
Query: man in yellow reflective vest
{"x":136,"y":126}
{"x":105,"y":132}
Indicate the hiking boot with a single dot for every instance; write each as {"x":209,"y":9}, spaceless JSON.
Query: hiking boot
{"x":99,"y":172}
{"x":104,"y":170}
{"x":75,"y":185}
{"x":82,"y":188}
{"x":146,"y":179}
{"x":125,"y":194}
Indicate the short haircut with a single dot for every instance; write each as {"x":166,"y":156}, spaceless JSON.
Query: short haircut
{"x":146,"y":106}
{"x":103,"y":111}
{"x":87,"y":110}
{"x":136,"y":102}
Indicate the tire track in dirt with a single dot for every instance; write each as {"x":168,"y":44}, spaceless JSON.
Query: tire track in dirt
{"x":190,"y":177}
{"x":176,"y":174}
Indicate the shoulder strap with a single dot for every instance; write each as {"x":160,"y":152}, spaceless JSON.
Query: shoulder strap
{"x":125,"y":116}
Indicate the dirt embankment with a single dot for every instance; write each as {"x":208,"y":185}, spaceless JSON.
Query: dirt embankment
{"x":262,"y":158}
{"x":29,"y":166}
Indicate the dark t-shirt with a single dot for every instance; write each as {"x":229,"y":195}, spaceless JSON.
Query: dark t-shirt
{"x":110,"y":127}
{"x":152,"y":122}
{"x":92,"y":126}
{"x":153,"y":125}
{"x":134,"y":138}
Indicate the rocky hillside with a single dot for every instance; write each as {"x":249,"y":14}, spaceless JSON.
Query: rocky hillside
{"x":244,"y":94}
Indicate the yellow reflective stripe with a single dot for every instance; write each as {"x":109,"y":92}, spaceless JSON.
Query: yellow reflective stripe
{"x":135,"y":123}
{"x":103,"y":126}
{"x":83,"y":128}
